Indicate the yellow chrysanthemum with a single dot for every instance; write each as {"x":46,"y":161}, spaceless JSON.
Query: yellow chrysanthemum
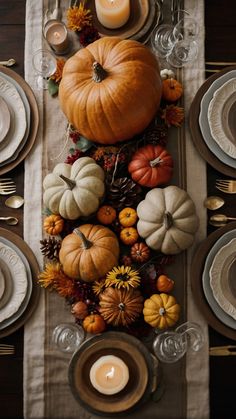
{"x":98,"y":286}
{"x":47,"y":277}
{"x":173,"y":115}
{"x":78,"y":17}
{"x":58,"y":73}
{"x":122,"y":277}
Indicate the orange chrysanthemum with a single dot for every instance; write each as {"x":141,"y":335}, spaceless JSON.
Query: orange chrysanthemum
{"x":58,"y":73}
{"x":53,"y":277}
{"x":173,"y":115}
{"x":98,"y":286}
{"x":78,"y":17}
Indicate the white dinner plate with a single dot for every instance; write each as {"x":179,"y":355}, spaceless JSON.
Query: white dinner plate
{"x":204,"y":124}
{"x":19,"y":278}
{"x":18,"y":119}
{"x":220,"y":277}
{"x":28,"y":116}
{"x":217,"y":123}
{"x":217,"y":310}
{"x":5,"y":119}
{"x":26,"y":300}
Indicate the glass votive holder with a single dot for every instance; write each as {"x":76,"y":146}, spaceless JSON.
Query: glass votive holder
{"x":57,"y":37}
{"x":68,"y":337}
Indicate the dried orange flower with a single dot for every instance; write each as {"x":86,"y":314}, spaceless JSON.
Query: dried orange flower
{"x":64,"y":285}
{"x":173,"y":115}
{"x":58,"y":73}
{"x":78,"y":17}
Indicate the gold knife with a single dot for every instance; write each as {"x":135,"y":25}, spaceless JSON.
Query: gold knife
{"x":229,"y":350}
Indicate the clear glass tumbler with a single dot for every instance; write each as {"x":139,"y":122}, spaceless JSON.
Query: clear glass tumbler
{"x":68,"y":337}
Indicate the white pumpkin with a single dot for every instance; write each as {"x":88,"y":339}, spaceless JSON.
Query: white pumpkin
{"x":74,"y":190}
{"x":167,"y":220}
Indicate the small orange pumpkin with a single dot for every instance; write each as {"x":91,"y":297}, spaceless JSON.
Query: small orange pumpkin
{"x":151,"y":165}
{"x":140,"y":252}
{"x":106,"y":214}
{"x":164,"y":284}
{"x":172,"y":90}
{"x":53,"y":224}
{"x":79,"y":310}
{"x":94,"y":323}
{"x":128,"y":217}
{"x":129,"y":235}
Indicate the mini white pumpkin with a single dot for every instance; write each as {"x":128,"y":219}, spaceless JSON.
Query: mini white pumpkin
{"x":74,"y":190}
{"x":167,"y":220}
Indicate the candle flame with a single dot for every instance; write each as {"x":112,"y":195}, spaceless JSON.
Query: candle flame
{"x":110,"y":374}
{"x":57,"y":35}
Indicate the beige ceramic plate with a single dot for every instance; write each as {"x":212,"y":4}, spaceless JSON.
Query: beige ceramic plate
{"x":5,"y":277}
{"x":18,"y":119}
{"x":218,"y":120}
{"x":19,"y":277}
{"x":5,"y":119}
{"x":222,"y":280}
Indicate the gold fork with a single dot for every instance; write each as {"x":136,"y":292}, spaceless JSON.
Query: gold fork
{"x":7,"y":186}
{"x":226,"y":186}
{"x":6,"y":349}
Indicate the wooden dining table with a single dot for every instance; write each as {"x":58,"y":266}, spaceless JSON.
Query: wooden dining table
{"x":220,"y":41}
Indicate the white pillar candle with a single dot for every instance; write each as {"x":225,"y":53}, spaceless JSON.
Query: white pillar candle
{"x":112,"y":13}
{"x":109,"y":374}
{"x":56,"y":35}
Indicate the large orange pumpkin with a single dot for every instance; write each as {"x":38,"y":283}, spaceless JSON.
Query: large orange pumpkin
{"x":111,"y":89}
{"x":151,"y":166}
{"x":89,"y":252}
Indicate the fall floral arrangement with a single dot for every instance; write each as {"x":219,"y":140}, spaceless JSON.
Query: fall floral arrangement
{"x":96,"y":253}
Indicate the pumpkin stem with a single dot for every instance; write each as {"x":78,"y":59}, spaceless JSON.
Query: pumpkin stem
{"x":168,"y":220}
{"x":156,"y":161}
{"x":86,"y":244}
{"x":99,"y":74}
{"x":162,"y":311}
{"x":71,"y":183}
{"x":121,"y":306}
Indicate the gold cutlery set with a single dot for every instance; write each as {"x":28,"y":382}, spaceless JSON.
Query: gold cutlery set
{"x":216,"y":66}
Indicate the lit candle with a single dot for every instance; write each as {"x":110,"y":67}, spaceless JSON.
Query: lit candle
{"x":109,"y":374}
{"x":112,"y":13}
{"x":56,"y":35}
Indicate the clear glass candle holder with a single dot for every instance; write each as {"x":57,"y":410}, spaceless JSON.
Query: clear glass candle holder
{"x":171,"y":346}
{"x":68,"y":337}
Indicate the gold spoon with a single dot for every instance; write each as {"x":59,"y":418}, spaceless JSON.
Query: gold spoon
{"x":11,"y":221}
{"x":213,"y":202}
{"x":8,"y":63}
{"x":219,"y":220}
{"x":14,"y":201}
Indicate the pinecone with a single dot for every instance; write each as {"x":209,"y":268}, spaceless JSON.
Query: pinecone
{"x":156,"y":135}
{"x":123,"y":193}
{"x":50,"y":247}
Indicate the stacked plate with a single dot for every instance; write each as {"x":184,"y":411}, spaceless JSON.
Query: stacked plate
{"x":213,"y":279}
{"x":18,"y":290}
{"x":18,"y":119}
{"x":212,"y":121}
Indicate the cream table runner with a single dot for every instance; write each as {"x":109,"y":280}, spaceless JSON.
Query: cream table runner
{"x":46,"y":390}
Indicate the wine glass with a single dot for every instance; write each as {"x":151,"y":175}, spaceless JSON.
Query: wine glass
{"x":170,"y":346}
{"x":68,"y":337}
{"x":44,"y":64}
{"x":182,"y":53}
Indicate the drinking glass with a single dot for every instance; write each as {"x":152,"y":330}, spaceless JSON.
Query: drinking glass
{"x":68,"y":337}
{"x":170,"y":346}
{"x":44,"y":64}
{"x":182,"y":53}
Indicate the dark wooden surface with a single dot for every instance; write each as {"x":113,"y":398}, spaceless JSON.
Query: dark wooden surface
{"x":220,"y":46}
